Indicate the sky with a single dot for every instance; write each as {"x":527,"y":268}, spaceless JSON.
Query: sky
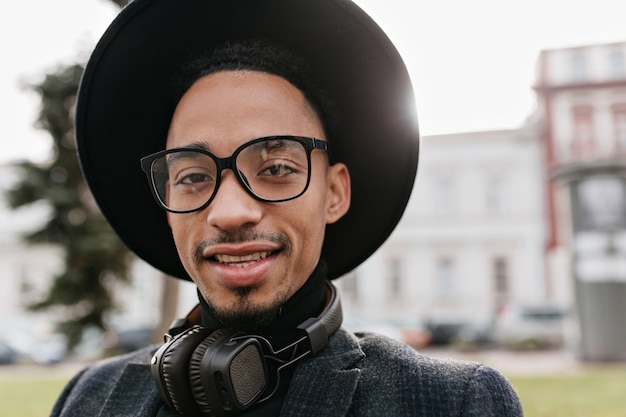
{"x":472,"y":63}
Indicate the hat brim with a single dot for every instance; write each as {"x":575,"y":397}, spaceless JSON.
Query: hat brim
{"x":123,"y":111}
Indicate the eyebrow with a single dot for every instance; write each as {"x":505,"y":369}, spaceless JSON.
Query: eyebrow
{"x":185,"y":152}
{"x":205,"y":146}
{"x":198,"y":145}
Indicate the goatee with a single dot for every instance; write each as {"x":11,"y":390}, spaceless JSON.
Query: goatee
{"x":243,"y":315}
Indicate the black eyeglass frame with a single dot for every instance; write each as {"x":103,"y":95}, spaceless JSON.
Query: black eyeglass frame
{"x":230,"y":162}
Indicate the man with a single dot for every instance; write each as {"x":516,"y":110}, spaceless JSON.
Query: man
{"x":282,"y":159}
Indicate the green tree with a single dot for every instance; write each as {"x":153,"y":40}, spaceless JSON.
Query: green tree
{"x":95,"y":259}
{"x":94,"y":256}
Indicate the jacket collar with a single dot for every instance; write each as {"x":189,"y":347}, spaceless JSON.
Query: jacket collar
{"x":135,"y":394}
{"x":325,"y":384}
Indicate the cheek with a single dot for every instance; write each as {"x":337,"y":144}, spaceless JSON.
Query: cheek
{"x":311,"y":221}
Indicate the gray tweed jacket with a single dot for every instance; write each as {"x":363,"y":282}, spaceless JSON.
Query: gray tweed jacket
{"x":355,"y":375}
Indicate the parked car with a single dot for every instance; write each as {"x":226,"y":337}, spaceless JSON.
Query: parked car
{"x":40,"y":344}
{"x":128,"y":339}
{"x":468,"y":335}
{"x":8,"y":355}
{"x":50,"y":349}
{"x":530,"y":327}
{"x":442,"y":333}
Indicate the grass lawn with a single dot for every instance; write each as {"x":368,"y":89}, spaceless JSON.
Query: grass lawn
{"x":30,"y":394}
{"x":590,"y":393}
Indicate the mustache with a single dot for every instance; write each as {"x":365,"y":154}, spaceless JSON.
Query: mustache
{"x":241,"y":236}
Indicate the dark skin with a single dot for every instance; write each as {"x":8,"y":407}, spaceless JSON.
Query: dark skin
{"x":248,"y":257}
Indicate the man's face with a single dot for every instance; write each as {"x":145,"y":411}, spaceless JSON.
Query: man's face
{"x":248,"y":257}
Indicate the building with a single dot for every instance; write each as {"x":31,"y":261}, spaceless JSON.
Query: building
{"x":582,"y":112}
{"x":470,"y":242}
{"x":582,"y":109}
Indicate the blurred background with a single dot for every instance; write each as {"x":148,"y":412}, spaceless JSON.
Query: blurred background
{"x":514,"y":239}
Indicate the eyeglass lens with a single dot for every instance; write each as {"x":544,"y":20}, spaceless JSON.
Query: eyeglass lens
{"x":272,"y":170}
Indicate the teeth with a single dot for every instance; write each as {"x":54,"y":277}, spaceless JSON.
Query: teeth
{"x":241,"y":261}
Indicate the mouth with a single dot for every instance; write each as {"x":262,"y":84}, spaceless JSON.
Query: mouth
{"x":243,"y":261}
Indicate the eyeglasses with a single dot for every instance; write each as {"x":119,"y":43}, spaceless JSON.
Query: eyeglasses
{"x":271,"y":169}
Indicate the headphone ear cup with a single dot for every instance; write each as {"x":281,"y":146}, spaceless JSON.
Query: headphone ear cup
{"x":195,"y":371}
{"x":170,"y":369}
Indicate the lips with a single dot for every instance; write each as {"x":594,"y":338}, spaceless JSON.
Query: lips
{"x":242,"y":261}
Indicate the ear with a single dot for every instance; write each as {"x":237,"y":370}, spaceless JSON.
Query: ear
{"x":339,"y":192}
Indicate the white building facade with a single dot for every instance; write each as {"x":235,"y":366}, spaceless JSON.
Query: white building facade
{"x":471,"y":240}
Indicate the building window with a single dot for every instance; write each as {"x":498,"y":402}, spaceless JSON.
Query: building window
{"x":579,"y":67}
{"x":618,"y":67}
{"x":494,"y":195}
{"x":600,"y":203}
{"x":619,"y":125}
{"x":501,"y":280}
{"x":446,"y":278}
{"x":395,"y":279}
{"x":445,"y":199}
{"x":583,"y":141}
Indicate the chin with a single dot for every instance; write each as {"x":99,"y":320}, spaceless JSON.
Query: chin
{"x":244,"y":312}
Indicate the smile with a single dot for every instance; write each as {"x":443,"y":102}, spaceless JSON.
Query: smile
{"x":241,"y":261}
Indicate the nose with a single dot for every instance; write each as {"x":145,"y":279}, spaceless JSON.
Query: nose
{"x":232,"y":207}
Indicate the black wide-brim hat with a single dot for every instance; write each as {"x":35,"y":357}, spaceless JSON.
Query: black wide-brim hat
{"x":123,"y":111}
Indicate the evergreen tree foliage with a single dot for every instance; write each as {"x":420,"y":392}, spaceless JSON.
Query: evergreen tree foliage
{"x":95,"y":259}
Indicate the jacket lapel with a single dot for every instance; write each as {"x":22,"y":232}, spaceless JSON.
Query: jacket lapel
{"x":134,"y":395}
{"x":325,"y":384}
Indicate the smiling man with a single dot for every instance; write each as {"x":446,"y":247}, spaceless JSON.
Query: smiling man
{"x":279,"y":143}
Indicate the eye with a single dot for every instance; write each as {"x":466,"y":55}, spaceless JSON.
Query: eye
{"x":193,"y":178}
{"x":278,"y":169}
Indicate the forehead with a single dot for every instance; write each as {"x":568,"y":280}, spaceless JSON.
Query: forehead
{"x":227,"y":108}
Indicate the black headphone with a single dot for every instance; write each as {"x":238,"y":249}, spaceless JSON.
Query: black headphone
{"x":206,"y":372}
